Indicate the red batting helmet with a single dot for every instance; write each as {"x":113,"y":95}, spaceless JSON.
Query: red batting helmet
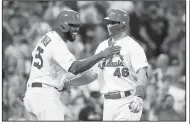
{"x":118,"y":16}
{"x":65,"y":18}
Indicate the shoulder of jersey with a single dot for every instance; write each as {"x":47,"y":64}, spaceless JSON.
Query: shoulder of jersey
{"x":132,"y":42}
{"x":104,"y":43}
{"x":55,"y":37}
{"x":129,"y":39}
{"x":51,"y":34}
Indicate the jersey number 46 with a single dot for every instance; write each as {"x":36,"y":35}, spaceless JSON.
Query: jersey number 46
{"x":121,"y":72}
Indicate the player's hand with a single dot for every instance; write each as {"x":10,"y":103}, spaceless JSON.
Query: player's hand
{"x":110,"y":51}
{"x":136,"y":105}
{"x":67,"y":85}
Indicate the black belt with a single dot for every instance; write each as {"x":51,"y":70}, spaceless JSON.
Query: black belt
{"x":38,"y":84}
{"x":116,"y":95}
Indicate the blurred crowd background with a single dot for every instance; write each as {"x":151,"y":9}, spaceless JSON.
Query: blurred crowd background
{"x":158,"y":26}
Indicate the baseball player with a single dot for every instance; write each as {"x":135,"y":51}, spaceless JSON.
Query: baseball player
{"x":121,"y":78}
{"x":53,"y":65}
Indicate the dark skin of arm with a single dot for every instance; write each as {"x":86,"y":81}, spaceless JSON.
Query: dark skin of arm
{"x":84,"y":79}
{"x":80,"y":66}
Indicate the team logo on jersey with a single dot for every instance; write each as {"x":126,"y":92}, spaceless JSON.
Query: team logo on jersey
{"x":110,"y":63}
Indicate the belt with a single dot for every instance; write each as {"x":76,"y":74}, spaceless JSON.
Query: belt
{"x":38,"y":84}
{"x":117,"y":95}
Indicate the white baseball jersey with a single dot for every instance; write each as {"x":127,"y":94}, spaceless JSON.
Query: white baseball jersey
{"x":51,"y":61}
{"x":119,"y":73}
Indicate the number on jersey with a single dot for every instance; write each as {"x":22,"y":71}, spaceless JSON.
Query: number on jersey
{"x":121,"y":72}
{"x":45,"y":41}
{"x":39,"y":65}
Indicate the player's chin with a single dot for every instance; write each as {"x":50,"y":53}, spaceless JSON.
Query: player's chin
{"x":73,"y":38}
{"x":74,"y":35}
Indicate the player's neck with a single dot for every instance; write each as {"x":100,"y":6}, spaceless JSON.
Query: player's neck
{"x":61,"y":34}
{"x":119,"y":36}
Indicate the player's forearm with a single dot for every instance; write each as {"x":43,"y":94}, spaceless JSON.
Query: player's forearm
{"x":141,"y":83}
{"x":80,"y":66}
{"x":84,"y":79}
{"x":83,"y":65}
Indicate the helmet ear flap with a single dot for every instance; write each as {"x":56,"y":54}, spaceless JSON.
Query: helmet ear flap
{"x":64,"y":27}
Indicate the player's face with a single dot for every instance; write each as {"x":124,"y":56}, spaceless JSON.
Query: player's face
{"x":73,"y":32}
{"x":110,"y":25}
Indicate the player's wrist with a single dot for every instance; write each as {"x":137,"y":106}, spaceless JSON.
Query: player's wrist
{"x":100,"y":55}
{"x":139,"y":99}
{"x":140,"y":92}
{"x":68,"y":85}
{"x":71,"y":84}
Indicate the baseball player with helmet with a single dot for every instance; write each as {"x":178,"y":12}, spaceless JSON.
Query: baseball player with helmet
{"x":122,"y":78}
{"x":53,"y":65}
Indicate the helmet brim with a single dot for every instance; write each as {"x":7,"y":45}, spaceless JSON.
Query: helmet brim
{"x":108,"y":19}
